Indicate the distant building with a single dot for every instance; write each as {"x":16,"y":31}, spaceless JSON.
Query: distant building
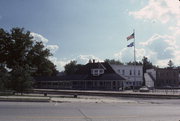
{"x":162,"y":78}
{"x":132,"y":74}
{"x":92,"y":76}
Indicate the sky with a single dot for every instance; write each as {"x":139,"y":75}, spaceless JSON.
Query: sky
{"x":97,"y":29}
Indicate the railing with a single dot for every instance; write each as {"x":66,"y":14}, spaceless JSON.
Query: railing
{"x":166,"y":91}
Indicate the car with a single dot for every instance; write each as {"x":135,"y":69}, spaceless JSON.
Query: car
{"x":144,"y":89}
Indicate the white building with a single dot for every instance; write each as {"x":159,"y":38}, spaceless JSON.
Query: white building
{"x":132,"y":74}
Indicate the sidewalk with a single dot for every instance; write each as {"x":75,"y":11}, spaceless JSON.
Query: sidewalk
{"x":24,"y":98}
{"x":64,"y":99}
{"x":157,"y":94}
{"x":86,"y":96}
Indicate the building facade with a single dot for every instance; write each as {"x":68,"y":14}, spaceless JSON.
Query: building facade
{"x":162,"y":78}
{"x":92,"y":76}
{"x":132,"y":74}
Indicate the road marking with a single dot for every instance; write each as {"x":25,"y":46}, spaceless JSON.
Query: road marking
{"x":75,"y":117}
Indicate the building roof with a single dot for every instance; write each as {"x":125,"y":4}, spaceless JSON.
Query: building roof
{"x":86,"y":69}
{"x":84,"y":73}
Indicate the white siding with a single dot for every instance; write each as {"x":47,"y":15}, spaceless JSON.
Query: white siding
{"x":132,"y":74}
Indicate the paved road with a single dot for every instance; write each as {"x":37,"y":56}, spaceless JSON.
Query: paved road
{"x":139,"y":110}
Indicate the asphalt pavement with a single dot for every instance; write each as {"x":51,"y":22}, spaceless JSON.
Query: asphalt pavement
{"x":137,"y":110}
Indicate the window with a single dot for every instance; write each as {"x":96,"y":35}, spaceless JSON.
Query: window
{"x":134,"y":72}
{"x":101,"y":71}
{"x":123,"y":71}
{"x":114,"y":83}
{"x":139,"y":73}
{"x":130,"y":72}
{"x":97,"y":72}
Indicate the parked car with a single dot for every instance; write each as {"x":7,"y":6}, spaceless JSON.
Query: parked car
{"x":144,"y":89}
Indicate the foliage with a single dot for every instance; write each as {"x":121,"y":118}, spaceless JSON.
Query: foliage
{"x":132,"y":63}
{"x":3,"y":77}
{"x":21,"y":79}
{"x":19,"y":48}
{"x":112,"y":61}
{"x":170,"y":64}
{"x":23,"y":57}
{"x":72,"y":67}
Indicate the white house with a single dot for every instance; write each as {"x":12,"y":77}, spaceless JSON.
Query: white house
{"x":132,"y":74}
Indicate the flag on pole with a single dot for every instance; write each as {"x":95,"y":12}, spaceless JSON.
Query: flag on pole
{"x":131,"y":44}
{"x":130,"y":37}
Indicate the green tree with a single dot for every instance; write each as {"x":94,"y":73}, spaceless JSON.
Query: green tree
{"x":132,"y":63}
{"x":5,"y":44}
{"x":21,"y":80}
{"x":72,"y":67}
{"x":25,"y":57}
{"x":113,"y":61}
{"x":19,"y":48}
{"x":3,"y":78}
{"x":39,"y":60}
{"x":170,"y":64}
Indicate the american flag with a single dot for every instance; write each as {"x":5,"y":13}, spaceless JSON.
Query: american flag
{"x":130,"y":37}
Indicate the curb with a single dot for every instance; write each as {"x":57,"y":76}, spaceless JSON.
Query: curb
{"x":109,"y":94}
{"x":23,"y":100}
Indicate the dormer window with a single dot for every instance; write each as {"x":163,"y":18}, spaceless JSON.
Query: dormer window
{"x":97,"y":72}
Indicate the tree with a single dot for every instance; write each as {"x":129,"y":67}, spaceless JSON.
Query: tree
{"x":112,"y":61}
{"x":25,"y":57}
{"x":132,"y":63}
{"x":39,"y":60}
{"x":72,"y":67}
{"x":5,"y":44}
{"x":19,"y":48}
{"x":170,"y":64}
{"x":3,"y":78}
{"x":21,"y":80}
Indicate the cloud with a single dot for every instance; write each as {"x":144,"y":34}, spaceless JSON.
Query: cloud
{"x":39,"y":37}
{"x":81,"y":59}
{"x":127,"y":54}
{"x":163,"y":46}
{"x":85,"y":58}
{"x":52,"y":48}
{"x":160,"y":10}
{"x":59,"y":63}
{"x":159,"y":49}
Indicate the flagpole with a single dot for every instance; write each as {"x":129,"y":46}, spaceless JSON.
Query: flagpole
{"x":134,"y":60}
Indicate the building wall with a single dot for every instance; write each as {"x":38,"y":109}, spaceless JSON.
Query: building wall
{"x":132,"y":74}
{"x":149,"y":82}
{"x":167,"y":77}
{"x":152,"y":72}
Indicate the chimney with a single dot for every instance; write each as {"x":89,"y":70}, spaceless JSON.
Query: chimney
{"x":90,"y":61}
{"x":93,"y":60}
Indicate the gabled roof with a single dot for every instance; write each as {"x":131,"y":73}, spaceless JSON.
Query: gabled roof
{"x":86,"y":69}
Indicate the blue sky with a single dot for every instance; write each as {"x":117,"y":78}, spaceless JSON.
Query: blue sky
{"x":97,"y":29}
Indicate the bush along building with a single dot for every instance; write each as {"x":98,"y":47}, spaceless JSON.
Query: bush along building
{"x":162,"y":78}
{"x":92,"y":76}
